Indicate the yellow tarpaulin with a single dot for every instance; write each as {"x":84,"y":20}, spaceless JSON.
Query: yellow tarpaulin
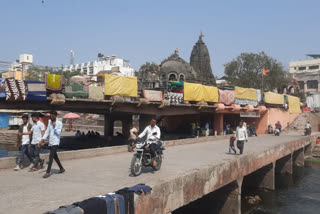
{"x":211,"y":94}
{"x":273,"y":98}
{"x":294,"y":104}
{"x":198,"y":92}
{"x":120,"y":85}
{"x":246,"y":93}
{"x":53,"y":81}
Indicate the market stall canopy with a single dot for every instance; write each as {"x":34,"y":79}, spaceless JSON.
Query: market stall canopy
{"x":71,"y":116}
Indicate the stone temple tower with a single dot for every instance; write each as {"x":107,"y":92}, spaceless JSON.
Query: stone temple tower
{"x":200,"y":61}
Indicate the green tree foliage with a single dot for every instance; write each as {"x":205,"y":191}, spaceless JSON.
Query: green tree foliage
{"x":148,"y":68}
{"x":246,"y":71}
{"x":67,"y":74}
{"x":38,"y":74}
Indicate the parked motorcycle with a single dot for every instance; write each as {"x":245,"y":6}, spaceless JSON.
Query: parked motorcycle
{"x":142,"y":156}
{"x":251,"y":130}
{"x":270,"y":129}
{"x":276,"y":132}
{"x":307,"y":131}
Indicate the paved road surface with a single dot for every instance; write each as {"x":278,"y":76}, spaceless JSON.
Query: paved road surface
{"x":27,"y":192}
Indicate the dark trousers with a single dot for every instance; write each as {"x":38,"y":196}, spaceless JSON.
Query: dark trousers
{"x":240,"y":145}
{"x":53,"y":155}
{"x":34,"y":151}
{"x":24,"y":151}
{"x":154,"y":147}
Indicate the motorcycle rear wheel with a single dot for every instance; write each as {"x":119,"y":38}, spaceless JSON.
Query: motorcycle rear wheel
{"x":135,"y":166}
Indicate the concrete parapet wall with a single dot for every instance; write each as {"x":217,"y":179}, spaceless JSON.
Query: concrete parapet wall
{"x":190,"y":186}
{"x":10,"y":162}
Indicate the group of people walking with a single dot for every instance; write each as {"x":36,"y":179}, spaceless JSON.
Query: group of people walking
{"x":31,"y":139}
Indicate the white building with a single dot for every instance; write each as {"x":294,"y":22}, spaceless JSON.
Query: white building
{"x":311,"y":65}
{"x":104,"y":63}
{"x":307,"y":73}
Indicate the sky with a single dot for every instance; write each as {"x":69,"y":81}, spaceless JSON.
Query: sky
{"x":149,"y":30}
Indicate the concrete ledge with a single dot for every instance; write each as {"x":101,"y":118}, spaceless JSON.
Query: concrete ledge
{"x":10,"y":162}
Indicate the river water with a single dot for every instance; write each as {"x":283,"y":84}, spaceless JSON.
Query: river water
{"x":299,"y":194}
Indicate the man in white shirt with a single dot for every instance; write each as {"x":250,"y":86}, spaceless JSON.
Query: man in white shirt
{"x":132,"y":137}
{"x":308,"y":128}
{"x":241,"y":136}
{"x":53,"y":131}
{"x":153,"y":135}
{"x":23,"y":142}
{"x":37,"y":132}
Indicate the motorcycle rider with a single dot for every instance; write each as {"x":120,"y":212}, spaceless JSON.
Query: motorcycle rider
{"x":308,"y":128}
{"x":153,"y":136}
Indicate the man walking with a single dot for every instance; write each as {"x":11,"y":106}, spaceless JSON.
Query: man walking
{"x":37,"y":132}
{"x":132,"y":137}
{"x":53,"y":132}
{"x":23,"y":141}
{"x":241,"y":136}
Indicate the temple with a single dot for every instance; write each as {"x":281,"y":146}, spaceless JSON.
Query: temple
{"x":174,"y":68}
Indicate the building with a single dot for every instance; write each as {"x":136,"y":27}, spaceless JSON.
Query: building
{"x":104,"y":63}
{"x":307,"y":73}
{"x":174,"y":68}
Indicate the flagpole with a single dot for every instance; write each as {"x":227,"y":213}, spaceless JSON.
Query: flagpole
{"x":262,"y":82}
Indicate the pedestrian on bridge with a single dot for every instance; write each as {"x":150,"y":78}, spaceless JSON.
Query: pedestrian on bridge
{"x":53,"y":132}
{"x":37,"y":132}
{"x":23,"y":141}
{"x":241,"y":136}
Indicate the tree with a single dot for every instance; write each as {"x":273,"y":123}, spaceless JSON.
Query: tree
{"x":246,"y":71}
{"x":151,"y":67}
{"x":38,"y":74}
{"x":67,"y":74}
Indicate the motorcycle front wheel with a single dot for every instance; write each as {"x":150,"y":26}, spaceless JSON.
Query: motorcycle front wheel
{"x":159,"y":162}
{"x":135,"y":166}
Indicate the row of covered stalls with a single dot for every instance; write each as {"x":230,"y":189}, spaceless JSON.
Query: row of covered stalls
{"x":176,"y":93}
{"x":233,"y":102}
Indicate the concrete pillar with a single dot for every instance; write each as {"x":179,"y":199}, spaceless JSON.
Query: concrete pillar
{"x":284,"y":165}
{"x":308,"y":150}
{"x":268,"y":177}
{"x":218,"y":123}
{"x":305,"y":88}
{"x":107,"y":124}
{"x":263,"y":178}
{"x":232,"y":203}
{"x":126,"y":122}
{"x":298,"y":158}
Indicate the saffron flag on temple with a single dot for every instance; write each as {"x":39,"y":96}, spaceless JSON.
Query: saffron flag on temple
{"x":265,"y":72}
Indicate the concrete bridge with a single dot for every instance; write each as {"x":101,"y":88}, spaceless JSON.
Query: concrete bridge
{"x":189,"y":172}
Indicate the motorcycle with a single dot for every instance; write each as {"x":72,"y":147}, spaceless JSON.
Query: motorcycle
{"x":270,"y":130}
{"x":276,"y":132}
{"x":142,"y":156}
{"x":307,"y":131}
{"x":251,"y":131}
